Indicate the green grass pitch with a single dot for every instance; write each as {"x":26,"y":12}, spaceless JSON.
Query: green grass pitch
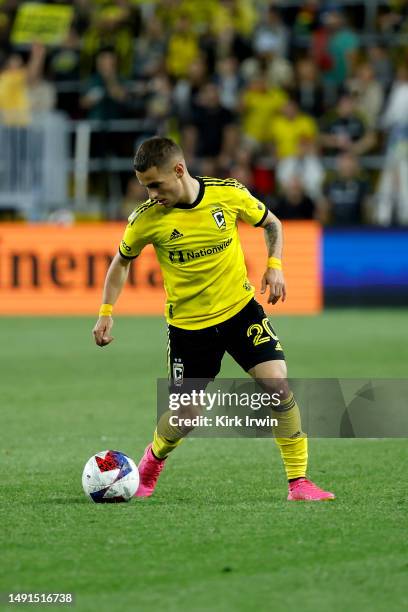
{"x":218,"y":534}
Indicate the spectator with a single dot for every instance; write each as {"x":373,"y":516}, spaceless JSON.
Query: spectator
{"x":14,"y":102}
{"x":149,"y":49}
{"x":293,"y":203}
{"x":306,"y":21}
{"x":380,"y":60}
{"x":159,"y":100}
{"x":346,"y":130}
{"x":278,"y":69}
{"x":111,"y":25}
{"x":229,"y":82}
{"x":236,"y":15}
{"x":41,"y":93}
{"x":212,"y":133}
{"x":342,"y":48}
{"x":104,"y":92}
{"x":241,"y":170}
{"x":320,"y":38}
{"x":64,"y":66}
{"x":22,"y":90}
{"x":272,"y":33}
{"x":186,"y":89}
{"x":182,"y":48}
{"x":391,"y":19}
{"x":392,"y":197}
{"x":306,"y":166}
{"x":23,"y":97}
{"x":368,"y":94}
{"x":263,"y":179}
{"x":228,"y":41}
{"x":104,"y":99}
{"x":65,"y":59}
{"x":259,"y":105}
{"x":291,"y":131}
{"x":345,"y":201}
{"x":308,"y":90}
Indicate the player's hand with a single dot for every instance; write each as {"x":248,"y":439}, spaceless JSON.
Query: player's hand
{"x":102,"y":331}
{"x":277,"y":290}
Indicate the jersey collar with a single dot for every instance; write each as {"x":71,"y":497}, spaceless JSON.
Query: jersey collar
{"x":198,"y":198}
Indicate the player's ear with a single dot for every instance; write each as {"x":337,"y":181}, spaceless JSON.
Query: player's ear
{"x":179,"y":169}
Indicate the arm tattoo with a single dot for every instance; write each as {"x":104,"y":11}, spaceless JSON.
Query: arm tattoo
{"x":271,"y":237}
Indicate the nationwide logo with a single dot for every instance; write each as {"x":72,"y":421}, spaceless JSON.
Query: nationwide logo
{"x":184,"y":256}
{"x":175,"y":235}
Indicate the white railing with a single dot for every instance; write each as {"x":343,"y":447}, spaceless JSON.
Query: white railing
{"x":34,"y":165}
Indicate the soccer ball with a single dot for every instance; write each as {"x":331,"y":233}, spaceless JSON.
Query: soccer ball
{"x":110,"y":476}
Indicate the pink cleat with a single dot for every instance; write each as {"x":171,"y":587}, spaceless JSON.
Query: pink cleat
{"x":305,"y":490}
{"x":149,"y":472}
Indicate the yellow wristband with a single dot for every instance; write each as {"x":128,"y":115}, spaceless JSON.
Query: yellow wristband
{"x":274,"y":263}
{"x":105,"y":310}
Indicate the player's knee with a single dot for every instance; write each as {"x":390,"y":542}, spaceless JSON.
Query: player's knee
{"x":276,"y":386}
{"x":272,"y":377}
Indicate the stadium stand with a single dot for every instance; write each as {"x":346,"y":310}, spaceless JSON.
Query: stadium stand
{"x":306,"y":102}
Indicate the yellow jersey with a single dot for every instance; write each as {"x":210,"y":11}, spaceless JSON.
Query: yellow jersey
{"x":260,"y":108}
{"x":288,"y":134}
{"x":199,"y":251}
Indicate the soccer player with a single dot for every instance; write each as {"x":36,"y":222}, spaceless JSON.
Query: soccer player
{"x":210,"y":308}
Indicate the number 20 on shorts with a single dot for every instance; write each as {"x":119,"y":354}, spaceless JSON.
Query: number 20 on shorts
{"x":261,"y":333}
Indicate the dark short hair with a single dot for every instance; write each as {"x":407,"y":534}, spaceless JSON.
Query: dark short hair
{"x":106,"y":49}
{"x":156,"y":151}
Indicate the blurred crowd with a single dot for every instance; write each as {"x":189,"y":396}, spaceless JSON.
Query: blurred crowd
{"x":292,"y":99}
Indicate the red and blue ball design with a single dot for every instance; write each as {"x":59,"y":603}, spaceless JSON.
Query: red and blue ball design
{"x":110,"y":477}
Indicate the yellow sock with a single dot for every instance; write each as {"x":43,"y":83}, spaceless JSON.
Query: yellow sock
{"x":291,"y":440}
{"x":166,"y":437}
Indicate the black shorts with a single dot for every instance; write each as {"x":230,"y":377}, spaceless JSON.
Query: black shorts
{"x":197,"y":354}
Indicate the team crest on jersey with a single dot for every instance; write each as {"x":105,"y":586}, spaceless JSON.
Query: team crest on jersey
{"x":178,"y":372}
{"x":219,"y":218}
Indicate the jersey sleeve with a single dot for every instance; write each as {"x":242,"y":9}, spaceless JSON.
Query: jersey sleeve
{"x":135,"y":237}
{"x":251,"y":210}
